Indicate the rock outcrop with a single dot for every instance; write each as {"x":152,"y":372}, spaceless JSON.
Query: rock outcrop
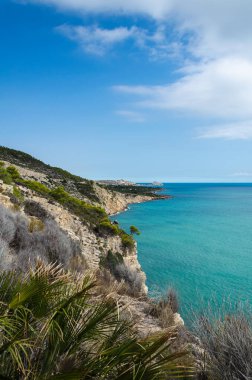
{"x":115,"y":202}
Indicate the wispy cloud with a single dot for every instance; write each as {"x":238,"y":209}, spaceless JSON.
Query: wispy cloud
{"x":215,"y":80}
{"x":131,"y":116}
{"x":233,"y":131}
{"x":98,"y":41}
{"x":95,"y":40}
{"x":220,"y":88}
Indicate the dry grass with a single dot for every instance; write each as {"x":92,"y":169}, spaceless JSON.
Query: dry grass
{"x":25,"y":240}
{"x":164,"y":307}
{"x":224,"y":344}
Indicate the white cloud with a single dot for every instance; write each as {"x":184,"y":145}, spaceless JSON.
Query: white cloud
{"x":232,"y":131}
{"x":220,"y":88}
{"x":217,"y":38}
{"x":131,"y":116}
{"x":97,"y":40}
{"x":157,"y":9}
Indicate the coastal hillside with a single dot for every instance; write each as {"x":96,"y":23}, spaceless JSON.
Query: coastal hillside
{"x":51,"y":215}
{"x":73,"y":298}
{"x":112,"y":198}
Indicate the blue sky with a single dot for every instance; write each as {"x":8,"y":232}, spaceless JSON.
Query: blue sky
{"x":135,"y":90}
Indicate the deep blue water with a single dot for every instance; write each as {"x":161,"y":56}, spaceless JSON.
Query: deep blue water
{"x":200,"y":241}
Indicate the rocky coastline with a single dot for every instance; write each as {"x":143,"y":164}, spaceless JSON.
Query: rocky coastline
{"x":93,"y":246}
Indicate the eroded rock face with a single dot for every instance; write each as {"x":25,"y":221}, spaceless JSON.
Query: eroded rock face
{"x":114,"y":202}
{"x":92,"y":245}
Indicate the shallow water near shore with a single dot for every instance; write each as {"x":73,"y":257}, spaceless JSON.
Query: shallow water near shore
{"x":200,"y":242}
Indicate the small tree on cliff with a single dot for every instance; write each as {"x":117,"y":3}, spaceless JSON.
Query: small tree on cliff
{"x":134,"y":230}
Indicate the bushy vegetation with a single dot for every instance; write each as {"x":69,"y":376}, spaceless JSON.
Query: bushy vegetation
{"x":86,"y":188}
{"x":13,"y":172}
{"x":21,"y":158}
{"x":127,"y":240}
{"x":134,"y":230}
{"x":86,"y":212}
{"x":66,"y":175}
{"x":52,"y":327}
{"x":23,"y":241}
{"x":164,"y":308}
{"x":133,"y":189}
{"x":4,"y":175}
{"x":133,"y":277}
{"x":111,"y":261}
{"x":94,"y":215}
{"x":57,"y":175}
{"x":224,"y":344}
{"x":35,"y":186}
{"x":33,"y":208}
{"x":18,"y":195}
{"x":108,"y":228}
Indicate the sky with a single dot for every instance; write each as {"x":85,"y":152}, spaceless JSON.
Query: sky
{"x":142,"y":90}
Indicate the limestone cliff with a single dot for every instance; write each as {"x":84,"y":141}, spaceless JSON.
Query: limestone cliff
{"x":93,"y":246}
{"x":115,"y":202}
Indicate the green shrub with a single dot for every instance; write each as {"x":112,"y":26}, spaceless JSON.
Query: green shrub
{"x":134,"y":230}
{"x":60,"y":195}
{"x":4,"y":175}
{"x":106,"y":227}
{"x":36,"y":186}
{"x":19,"y":198}
{"x":111,"y":261}
{"x":127,"y":240}
{"x":13,"y":172}
{"x":87,"y":190}
{"x":87,"y":212}
{"x":66,"y":175}
{"x":52,"y":327}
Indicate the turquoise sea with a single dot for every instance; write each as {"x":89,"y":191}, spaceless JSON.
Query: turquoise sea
{"x":200,"y":241}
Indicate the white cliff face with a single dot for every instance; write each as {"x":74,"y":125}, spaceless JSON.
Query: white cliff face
{"x":115,"y":202}
{"x":93,"y":247}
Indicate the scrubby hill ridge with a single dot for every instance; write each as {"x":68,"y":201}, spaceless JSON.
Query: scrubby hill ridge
{"x":112,"y":199}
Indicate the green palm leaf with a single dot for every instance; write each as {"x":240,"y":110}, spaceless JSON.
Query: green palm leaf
{"x":53,"y":326}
